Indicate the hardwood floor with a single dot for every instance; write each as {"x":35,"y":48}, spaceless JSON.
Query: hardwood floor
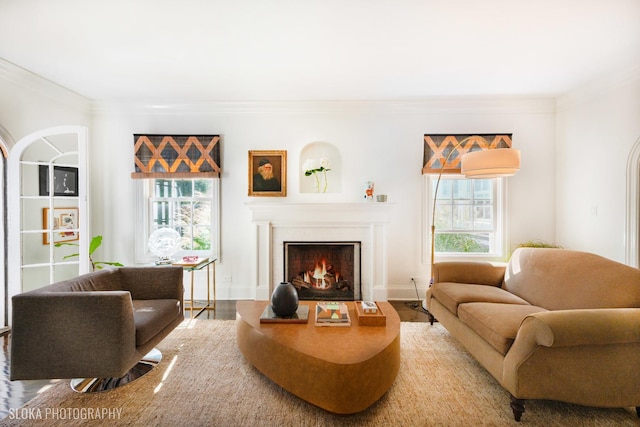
{"x":14,"y":394}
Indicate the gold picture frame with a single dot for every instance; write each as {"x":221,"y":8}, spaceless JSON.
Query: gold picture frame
{"x":65,"y":225}
{"x":268,"y":173}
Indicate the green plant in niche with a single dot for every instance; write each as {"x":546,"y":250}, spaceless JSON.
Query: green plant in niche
{"x":96,"y":241}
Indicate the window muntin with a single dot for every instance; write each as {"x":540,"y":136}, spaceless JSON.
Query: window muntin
{"x":185,"y":205}
{"x":468,"y":216}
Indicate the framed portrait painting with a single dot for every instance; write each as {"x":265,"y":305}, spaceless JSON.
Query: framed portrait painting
{"x":268,"y":173}
{"x":65,"y":225}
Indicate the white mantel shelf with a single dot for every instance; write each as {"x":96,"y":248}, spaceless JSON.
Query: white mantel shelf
{"x":319,"y":212}
{"x":278,"y":222}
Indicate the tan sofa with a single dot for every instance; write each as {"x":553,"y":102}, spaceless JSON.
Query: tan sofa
{"x":95,"y":325}
{"x":551,"y":324}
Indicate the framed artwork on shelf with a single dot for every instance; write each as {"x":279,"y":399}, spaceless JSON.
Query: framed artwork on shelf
{"x":65,"y":181}
{"x":268,"y":173}
{"x":65,"y":225}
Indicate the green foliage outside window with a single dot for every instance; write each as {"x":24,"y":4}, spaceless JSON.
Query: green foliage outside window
{"x":458,"y":242}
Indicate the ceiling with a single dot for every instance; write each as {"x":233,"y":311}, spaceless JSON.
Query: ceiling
{"x":170,"y":51}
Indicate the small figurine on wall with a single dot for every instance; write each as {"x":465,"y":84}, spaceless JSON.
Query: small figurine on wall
{"x":368,"y":191}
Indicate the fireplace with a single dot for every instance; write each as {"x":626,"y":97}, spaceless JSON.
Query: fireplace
{"x":323,"y":270}
{"x":276,"y":222}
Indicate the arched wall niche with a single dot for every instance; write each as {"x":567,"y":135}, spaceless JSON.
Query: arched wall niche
{"x":313,"y":153}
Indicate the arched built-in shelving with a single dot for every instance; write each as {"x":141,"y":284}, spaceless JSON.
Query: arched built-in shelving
{"x":47,"y":201}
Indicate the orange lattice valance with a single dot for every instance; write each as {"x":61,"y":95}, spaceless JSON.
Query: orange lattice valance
{"x":438,"y":147}
{"x":176,"y":156}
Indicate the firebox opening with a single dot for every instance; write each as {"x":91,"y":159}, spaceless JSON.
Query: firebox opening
{"x":323,"y":270}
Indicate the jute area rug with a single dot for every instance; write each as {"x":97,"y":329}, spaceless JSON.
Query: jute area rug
{"x":204,"y":380}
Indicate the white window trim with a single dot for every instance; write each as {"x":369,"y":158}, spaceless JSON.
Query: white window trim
{"x":142,"y":253}
{"x":502,"y":228}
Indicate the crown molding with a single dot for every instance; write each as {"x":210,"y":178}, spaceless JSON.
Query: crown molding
{"x":40,"y":86}
{"x":475,"y":105}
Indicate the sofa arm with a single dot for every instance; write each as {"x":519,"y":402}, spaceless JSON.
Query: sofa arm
{"x":482,"y":273}
{"x":158,"y":282}
{"x":577,"y":356}
{"x":564,"y":328}
{"x":71,"y":334}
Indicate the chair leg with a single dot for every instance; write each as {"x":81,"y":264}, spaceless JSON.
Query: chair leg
{"x":517,"y":406}
{"x":144,"y":366}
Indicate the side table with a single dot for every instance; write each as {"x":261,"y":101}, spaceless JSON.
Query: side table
{"x":210,"y":264}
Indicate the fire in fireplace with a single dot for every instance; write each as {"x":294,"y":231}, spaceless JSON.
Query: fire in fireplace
{"x":323,"y":270}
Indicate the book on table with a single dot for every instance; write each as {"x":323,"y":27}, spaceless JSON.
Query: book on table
{"x":332,"y":314}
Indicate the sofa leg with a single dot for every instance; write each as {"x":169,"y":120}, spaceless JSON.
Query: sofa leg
{"x":92,"y":385}
{"x":517,"y":406}
{"x":638,"y":411}
{"x":431,"y":317}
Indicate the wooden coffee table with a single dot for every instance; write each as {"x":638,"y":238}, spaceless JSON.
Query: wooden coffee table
{"x":343,"y":370}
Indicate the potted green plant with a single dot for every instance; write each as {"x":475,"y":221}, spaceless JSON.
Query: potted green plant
{"x":96,"y":241}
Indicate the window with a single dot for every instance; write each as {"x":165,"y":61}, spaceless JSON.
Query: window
{"x":469,"y":216}
{"x":189,"y":206}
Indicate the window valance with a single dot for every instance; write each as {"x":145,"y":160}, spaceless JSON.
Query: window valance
{"x":176,"y":156}
{"x":438,"y":147}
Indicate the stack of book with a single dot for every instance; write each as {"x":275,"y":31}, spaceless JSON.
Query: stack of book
{"x":332,"y":314}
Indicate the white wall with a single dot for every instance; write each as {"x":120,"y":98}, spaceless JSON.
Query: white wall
{"x":597,"y":128}
{"x":378,"y":141}
{"x":570,"y":190}
{"x":29,"y":103}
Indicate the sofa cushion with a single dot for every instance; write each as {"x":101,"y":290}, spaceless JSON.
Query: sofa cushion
{"x":153,"y":315}
{"x":496,"y":323}
{"x":452,"y":294}
{"x":562,"y":279}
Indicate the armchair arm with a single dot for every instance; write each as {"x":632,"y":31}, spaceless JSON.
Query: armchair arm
{"x":72,"y":334}
{"x":483,"y":273}
{"x":158,"y":282}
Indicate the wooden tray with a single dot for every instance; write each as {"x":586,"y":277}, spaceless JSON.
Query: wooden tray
{"x":366,"y":319}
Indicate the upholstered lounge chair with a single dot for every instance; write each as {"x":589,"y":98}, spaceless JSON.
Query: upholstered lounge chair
{"x":99,"y":325}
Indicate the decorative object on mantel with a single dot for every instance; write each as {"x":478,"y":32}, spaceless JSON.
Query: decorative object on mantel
{"x":476,"y":156}
{"x":313,"y":167}
{"x":284,"y":300}
{"x":268,"y":173}
{"x":164,"y":243}
{"x":382,"y":198}
{"x":368,"y":190}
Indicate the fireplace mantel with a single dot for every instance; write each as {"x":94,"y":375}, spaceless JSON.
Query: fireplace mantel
{"x":319,"y":212}
{"x":277,"y":222}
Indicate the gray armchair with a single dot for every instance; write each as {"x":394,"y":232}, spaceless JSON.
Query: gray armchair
{"x":99,"y":325}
